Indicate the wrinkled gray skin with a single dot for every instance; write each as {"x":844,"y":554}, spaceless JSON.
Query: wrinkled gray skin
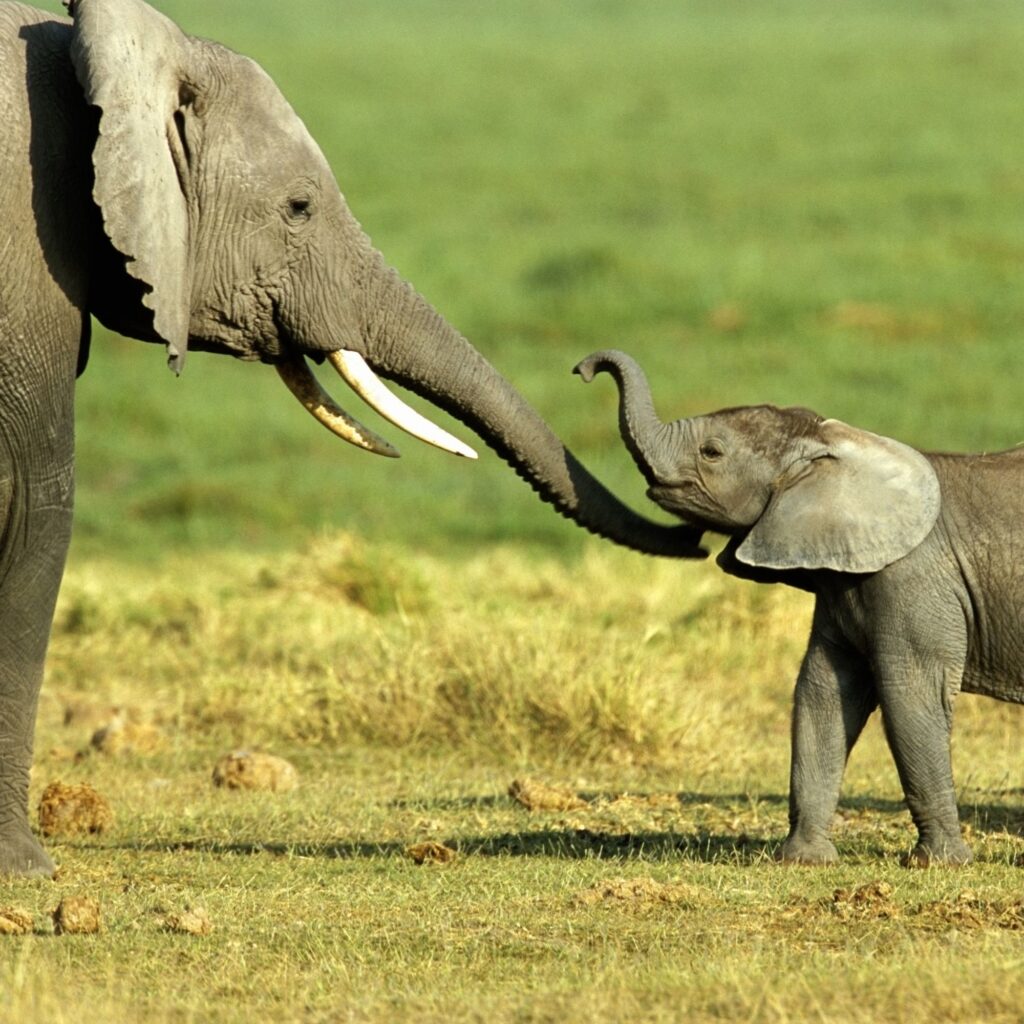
{"x":916,"y":563}
{"x":202,"y":215}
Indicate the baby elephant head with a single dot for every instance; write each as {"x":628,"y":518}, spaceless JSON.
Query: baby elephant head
{"x":794,"y":490}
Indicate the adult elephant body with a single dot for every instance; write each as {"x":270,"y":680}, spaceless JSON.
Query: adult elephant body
{"x":163,"y":184}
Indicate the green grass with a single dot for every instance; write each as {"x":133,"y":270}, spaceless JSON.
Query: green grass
{"x":804,"y":203}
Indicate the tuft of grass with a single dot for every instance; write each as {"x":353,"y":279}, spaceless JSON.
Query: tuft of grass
{"x":377,"y":580}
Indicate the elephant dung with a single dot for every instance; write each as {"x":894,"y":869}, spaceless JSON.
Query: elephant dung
{"x":123,"y":736}
{"x":15,"y":921}
{"x":430,"y":852}
{"x":191,"y":921}
{"x":537,"y":796}
{"x":73,"y":810}
{"x":77,"y":915}
{"x":245,"y":769}
{"x":638,"y":892}
{"x":870,"y":900}
{"x":81,"y":712}
{"x":968,"y":910}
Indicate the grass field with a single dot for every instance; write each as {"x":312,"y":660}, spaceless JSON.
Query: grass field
{"x":409,"y":704}
{"x":796,"y":202}
{"x":820,"y":205}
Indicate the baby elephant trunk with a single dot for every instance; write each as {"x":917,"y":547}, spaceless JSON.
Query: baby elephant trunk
{"x":644,"y":434}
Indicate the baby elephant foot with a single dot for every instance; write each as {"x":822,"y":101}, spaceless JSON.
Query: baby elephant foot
{"x":951,"y":853}
{"x":21,"y":854}
{"x":816,"y":850}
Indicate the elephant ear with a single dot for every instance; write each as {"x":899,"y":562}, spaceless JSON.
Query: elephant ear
{"x":856,"y":505}
{"x":130,"y":61}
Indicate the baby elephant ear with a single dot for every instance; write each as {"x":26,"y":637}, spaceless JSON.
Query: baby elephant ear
{"x":857,"y":505}
{"x":129,"y":60}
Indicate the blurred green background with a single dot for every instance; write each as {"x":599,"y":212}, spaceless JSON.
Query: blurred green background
{"x":794,"y":202}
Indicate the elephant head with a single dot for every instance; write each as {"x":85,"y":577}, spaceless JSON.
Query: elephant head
{"x":237,"y":239}
{"x":792,"y":490}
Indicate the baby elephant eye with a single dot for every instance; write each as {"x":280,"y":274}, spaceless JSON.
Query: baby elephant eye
{"x":711,"y":450}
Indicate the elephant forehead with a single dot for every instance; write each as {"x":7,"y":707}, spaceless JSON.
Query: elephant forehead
{"x":258,"y":124}
{"x":766,"y":429}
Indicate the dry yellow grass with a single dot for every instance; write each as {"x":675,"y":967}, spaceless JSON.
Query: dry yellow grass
{"x":616,"y":657}
{"x":654,"y":697}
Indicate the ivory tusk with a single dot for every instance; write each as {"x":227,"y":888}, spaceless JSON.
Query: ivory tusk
{"x":355,"y":371}
{"x":307,"y":389}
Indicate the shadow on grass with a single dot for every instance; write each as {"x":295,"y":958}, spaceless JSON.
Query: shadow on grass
{"x":598,"y":800}
{"x":986,"y":815}
{"x":583,"y":844}
{"x":612,"y":843}
{"x":568,"y":844}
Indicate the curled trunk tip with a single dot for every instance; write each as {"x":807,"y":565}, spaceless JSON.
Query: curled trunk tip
{"x":607,"y":360}
{"x":639,"y":425}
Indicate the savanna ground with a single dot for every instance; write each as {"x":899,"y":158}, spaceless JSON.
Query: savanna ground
{"x":795,"y":202}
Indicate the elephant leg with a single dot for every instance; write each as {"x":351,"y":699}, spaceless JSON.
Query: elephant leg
{"x":918,"y":718}
{"x":835,"y":695}
{"x":34,"y":549}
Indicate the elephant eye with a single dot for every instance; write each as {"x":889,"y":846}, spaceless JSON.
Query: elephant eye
{"x":711,"y":451}
{"x":299,"y":209}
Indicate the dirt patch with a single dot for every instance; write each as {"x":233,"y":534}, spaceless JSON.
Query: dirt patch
{"x":538,"y":796}
{"x":244,"y":769}
{"x":77,"y":915}
{"x":431,"y":853}
{"x":194,"y":921}
{"x":885,"y":321}
{"x":638,"y":892}
{"x":15,"y":921}
{"x":727,"y":318}
{"x":73,"y":810}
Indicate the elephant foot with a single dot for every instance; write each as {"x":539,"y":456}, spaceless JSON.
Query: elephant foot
{"x":953,"y":853}
{"x":797,"y":850}
{"x":21,"y":855}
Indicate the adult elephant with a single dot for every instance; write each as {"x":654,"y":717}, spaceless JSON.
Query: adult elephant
{"x":163,"y":184}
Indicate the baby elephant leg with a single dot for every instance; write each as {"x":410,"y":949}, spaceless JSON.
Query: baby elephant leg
{"x":918,"y":720}
{"x":834,"y":697}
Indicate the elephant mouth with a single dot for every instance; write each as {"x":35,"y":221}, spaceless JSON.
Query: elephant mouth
{"x":356,"y":372}
{"x":672,"y":501}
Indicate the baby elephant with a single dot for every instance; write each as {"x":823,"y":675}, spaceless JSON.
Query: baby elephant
{"x":916,"y":561}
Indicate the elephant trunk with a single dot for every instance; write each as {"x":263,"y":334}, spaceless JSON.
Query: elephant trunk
{"x":407,"y":341}
{"x":643,"y":433}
